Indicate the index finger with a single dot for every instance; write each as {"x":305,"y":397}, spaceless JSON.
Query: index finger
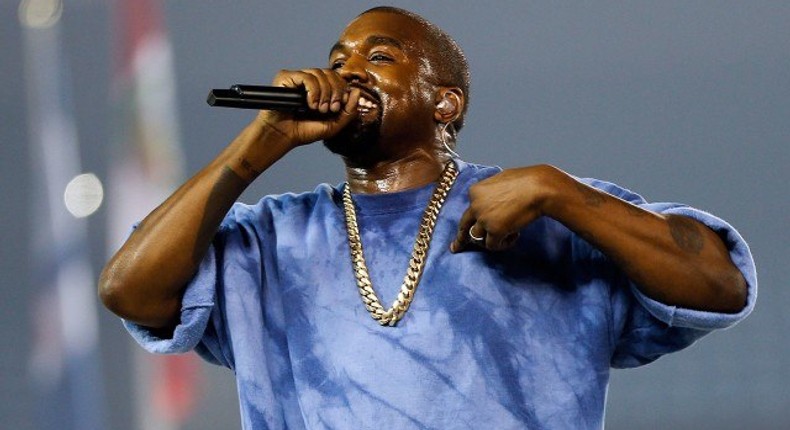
{"x":461,"y":241}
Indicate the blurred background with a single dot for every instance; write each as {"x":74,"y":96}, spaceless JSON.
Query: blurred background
{"x":103,"y":113}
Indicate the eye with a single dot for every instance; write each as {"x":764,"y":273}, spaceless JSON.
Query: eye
{"x":337,"y":64}
{"x":378,"y":57}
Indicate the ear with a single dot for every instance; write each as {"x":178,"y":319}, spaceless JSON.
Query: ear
{"x":449,"y":104}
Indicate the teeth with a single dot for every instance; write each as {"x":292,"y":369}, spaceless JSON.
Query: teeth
{"x":366,"y":103}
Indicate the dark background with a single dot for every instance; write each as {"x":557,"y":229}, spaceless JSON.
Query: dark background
{"x":678,"y":100}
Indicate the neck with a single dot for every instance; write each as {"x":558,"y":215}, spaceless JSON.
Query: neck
{"x":416,"y":169}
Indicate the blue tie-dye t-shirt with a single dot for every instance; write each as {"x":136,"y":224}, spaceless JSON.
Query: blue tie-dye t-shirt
{"x":507,"y":340}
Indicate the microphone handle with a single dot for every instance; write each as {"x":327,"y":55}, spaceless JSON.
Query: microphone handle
{"x":259,"y":97}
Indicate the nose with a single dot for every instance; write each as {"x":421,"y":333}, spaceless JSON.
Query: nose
{"x":353,"y":70}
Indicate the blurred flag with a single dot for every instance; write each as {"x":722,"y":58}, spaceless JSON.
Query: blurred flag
{"x":147,"y":166}
{"x":65,"y":362}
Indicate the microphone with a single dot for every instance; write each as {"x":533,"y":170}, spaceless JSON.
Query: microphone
{"x":259,"y":97}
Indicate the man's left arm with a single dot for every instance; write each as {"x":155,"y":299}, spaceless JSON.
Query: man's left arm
{"x":672,"y":259}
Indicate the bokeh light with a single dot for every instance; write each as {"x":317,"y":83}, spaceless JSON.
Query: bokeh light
{"x":83,"y":195}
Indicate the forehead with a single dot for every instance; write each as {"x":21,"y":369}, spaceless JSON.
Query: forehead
{"x":408,"y":33}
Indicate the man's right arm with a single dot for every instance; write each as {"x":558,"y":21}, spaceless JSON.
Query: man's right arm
{"x":145,"y":280}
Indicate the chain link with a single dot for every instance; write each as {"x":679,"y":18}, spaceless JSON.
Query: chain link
{"x":391,"y":316}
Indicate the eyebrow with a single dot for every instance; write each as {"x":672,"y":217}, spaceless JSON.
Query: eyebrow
{"x":370,"y":41}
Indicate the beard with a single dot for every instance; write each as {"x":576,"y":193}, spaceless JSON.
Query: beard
{"x":357,"y":139}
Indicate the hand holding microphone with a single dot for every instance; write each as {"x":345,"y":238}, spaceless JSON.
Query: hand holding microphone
{"x":318,"y":89}
{"x":303,"y":106}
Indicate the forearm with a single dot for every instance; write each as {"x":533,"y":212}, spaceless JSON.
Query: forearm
{"x":144,"y":281}
{"x":673,"y":259}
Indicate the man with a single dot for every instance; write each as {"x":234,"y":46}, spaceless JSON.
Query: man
{"x":532,"y":283}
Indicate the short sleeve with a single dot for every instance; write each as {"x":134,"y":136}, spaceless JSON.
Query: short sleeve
{"x":740,"y":255}
{"x":232,"y":259}
{"x":644,"y":329}
{"x":196,"y":309}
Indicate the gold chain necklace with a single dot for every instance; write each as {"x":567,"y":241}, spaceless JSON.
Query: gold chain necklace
{"x":419,"y":254}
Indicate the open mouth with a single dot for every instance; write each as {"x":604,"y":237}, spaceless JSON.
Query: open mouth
{"x":368,"y":100}
{"x":365,"y":105}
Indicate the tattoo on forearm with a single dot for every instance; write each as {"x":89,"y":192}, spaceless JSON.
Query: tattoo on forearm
{"x":592,"y":197}
{"x":685,"y":233}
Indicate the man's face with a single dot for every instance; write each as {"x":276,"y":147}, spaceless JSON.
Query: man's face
{"x":383,"y":54}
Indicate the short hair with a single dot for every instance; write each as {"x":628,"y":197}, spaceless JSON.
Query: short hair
{"x":445,"y":55}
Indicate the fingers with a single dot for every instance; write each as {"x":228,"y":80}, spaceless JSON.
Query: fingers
{"x":349,"y":108}
{"x":499,"y":242}
{"x":326,"y":91}
{"x":331,"y":88}
{"x":473,"y":233}
{"x":462,"y":239}
{"x":318,"y":90}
